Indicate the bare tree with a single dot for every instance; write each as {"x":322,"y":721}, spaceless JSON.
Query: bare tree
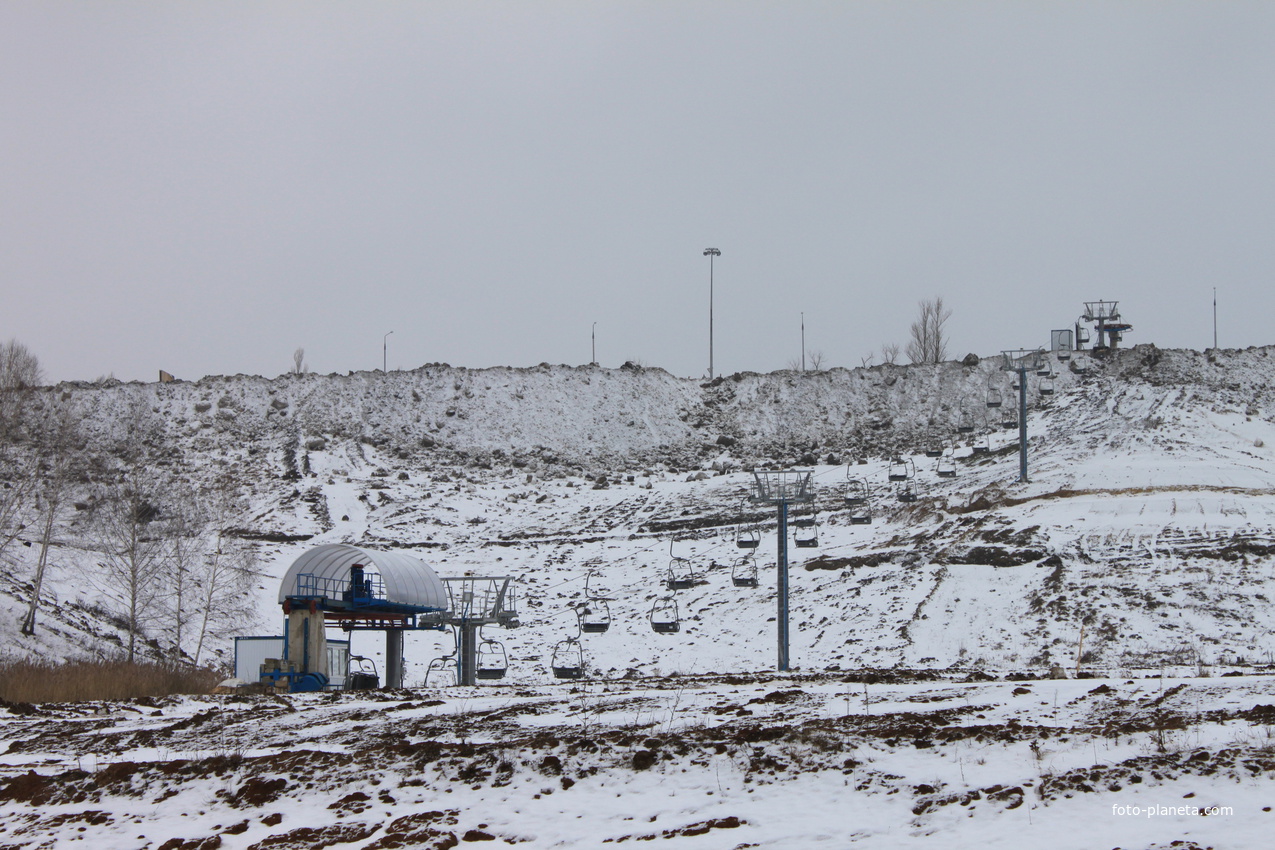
{"x":866,"y":360}
{"x":134,"y":547}
{"x":59,"y":458}
{"x":184,"y":528}
{"x":19,"y":368}
{"x":19,"y":373}
{"x":890,"y":353}
{"x":299,"y":366}
{"x":816,"y":359}
{"x":929,"y":339}
{"x":224,"y":581}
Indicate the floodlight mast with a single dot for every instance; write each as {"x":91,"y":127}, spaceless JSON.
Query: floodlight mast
{"x":780,"y":489}
{"x":710,"y":253}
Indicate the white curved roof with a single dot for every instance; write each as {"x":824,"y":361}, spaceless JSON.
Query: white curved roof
{"x":408,"y":580}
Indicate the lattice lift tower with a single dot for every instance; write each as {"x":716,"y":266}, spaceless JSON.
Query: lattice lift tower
{"x":1108,"y":326}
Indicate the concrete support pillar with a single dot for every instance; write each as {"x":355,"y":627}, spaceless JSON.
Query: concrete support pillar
{"x":307,"y":641}
{"x":394,"y":658}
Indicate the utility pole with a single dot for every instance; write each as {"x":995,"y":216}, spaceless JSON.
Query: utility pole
{"x":385,"y":347}
{"x":1215,"y":318}
{"x":803,"y":342}
{"x":594,"y":361}
{"x":710,"y":253}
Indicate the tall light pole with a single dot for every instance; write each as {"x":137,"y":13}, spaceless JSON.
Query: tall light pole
{"x":803,"y":342}
{"x":385,"y":347}
{"x":710,"y":253}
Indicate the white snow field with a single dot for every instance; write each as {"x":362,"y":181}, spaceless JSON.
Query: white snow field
{"x":920,"y":713}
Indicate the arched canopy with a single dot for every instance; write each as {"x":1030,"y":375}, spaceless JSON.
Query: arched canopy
{"x":408,"y":580}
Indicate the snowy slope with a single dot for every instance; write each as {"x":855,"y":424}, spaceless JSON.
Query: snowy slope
{"x":1147,"y":515}
{"x":1141,"y":543}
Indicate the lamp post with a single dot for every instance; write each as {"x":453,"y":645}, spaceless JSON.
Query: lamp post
{"x":594,"y":361}
{"x":385,"y":347}
{"x":803,"y":343}
{"x":710,"y":253}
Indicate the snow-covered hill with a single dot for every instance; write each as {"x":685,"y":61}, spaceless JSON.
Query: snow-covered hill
{"x":1147,"y":517}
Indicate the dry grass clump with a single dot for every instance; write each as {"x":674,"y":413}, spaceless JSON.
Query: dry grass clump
{"x":100,"y":679}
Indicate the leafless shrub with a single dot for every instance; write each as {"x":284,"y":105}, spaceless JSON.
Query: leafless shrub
{"x":32,"y":681}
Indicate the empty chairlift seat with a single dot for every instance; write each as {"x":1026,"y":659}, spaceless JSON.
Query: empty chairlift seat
{"x":664,"y":616}
{"x":567,"y":661}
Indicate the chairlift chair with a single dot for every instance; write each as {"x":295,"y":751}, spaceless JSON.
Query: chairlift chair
{"x":1010,"y":421}
{"x":858,"y":499}
{"x":442,"y":665}
{"x":681,"y":572}
{"x":983,"y":445}
{"x":664,"y":616}
{"x":906,"y":492}
{"x":595,"y":616}
{"x":994,"y":397}
{"x":1046,"y":385}
{"x":567,"y":661}
{"x":945,"y":467}
{"x":743,"y":573}
{"x":492,"y":661}
{"x":900,"y":469}
{"x":806,"y":530}
{"x":747,"y":536}
{"x":933,"y":446}
{"x":594,"y":613}
{"x":964,"y":421}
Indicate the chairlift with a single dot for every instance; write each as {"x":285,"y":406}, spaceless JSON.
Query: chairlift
{"x":906,"y":491}
{"x":681,"y":572}
{"x":856,"y":490}
{"x":567,"y":661}
{"x":747,"y":535}
{"x":1010,"y":421}
{"x":933,"y":446}
{"x":858,"y":499}
{"x":442,"y":665}
{"x":743,"y":573}
{"x":594,"y":613}
{"x":806,"y":530}
{"x":983,"y":445}
{"x":492,"y":661}
{"x":964,"y":421}
{"x":901,"y":469}
{"x":946,"y":466}
{"x":994,"y":397}
{"x":595,"y":616}
{"x":664,"y":616}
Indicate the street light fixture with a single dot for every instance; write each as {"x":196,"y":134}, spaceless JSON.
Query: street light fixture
{"x":710,"y":253}
{"x":385,"y":347}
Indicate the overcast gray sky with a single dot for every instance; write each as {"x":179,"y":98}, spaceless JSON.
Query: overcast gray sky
{"x":205,"y":187}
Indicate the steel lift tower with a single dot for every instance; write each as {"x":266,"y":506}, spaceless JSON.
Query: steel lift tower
{"x":782,"y":489}
{"x":1021,"y":361}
